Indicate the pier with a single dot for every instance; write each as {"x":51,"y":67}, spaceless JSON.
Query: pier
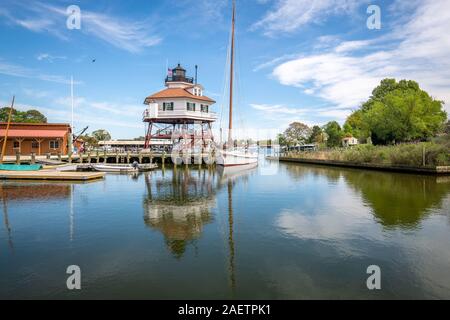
{"x":51,"y":175}
{"x":101,"y":157}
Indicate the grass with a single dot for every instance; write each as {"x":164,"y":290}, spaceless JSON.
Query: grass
{"x":437,"y":153}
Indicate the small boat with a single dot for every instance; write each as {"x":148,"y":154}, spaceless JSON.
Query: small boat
{"x":114,"y":168}
{"x":20,"y":167}
{"x":124,"y":167}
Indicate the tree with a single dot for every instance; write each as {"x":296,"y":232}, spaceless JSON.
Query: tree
{"x":29,"y":116}
{"x":317,"y":135}
{"x":334,"y":133}
{"x":447,"y":127}
{"x":34,"y":116}
{"x":101,"y":135}
{"x":297,"y":133}
{"x":89,"y":140}
{"x":397,"y":112}
{"x":356,"y":126}
{"x":282,"y":140}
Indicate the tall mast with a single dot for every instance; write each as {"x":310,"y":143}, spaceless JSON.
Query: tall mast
{"x":5,"y":140}
{"x":230,"y":123}
{"x":71,"y":98}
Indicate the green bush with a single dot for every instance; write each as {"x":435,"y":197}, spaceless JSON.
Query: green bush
{"x":437,"y":153}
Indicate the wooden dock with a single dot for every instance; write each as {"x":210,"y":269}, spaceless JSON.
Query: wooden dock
{"x":51,"y":175}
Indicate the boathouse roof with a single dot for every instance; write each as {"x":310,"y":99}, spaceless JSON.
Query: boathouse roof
{"x":35,"y":130}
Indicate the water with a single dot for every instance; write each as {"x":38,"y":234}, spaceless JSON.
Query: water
{"x":304,"y":232}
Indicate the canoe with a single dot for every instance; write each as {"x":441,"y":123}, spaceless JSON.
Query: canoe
{"x":20,"y":167}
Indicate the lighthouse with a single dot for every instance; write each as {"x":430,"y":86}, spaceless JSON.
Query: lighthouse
{"x":180,"y":112}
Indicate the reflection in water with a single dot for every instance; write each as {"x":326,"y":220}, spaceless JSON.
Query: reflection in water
{"x":20,"y":192}
{"x":230,"y":236}
{"x":307,"y":232}
{"x":179,"y":205}
{"x":396,"y":200}
{"x":6,"y":220}
{"x":40,"y":192}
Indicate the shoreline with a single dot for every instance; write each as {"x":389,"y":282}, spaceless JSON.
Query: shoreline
{"x":426,"y":170}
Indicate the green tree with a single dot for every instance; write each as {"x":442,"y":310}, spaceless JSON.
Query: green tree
{"x":397,"y":112}
{"x":29,"y":116}
{"x":297,"y":133}
{"x":34,"y":116}
{"x":282,"y":141}
{"x":356,"y":126}
{"x":89,"y":140}
{"x":334,"y":133}
{"x":403,"y":114}
{"x":101,"y":135}
{"x":317,"y":135}
{"x":447,"y":128}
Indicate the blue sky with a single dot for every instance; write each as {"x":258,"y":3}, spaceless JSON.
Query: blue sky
{"x":308,"y":61}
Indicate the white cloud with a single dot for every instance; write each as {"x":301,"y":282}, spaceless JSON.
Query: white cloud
{"x":129,"y":35}
{"x":352,"y":45}
{"x":14,"y":70}
{"x":345,"y":79}
{"x":50,"y":58}
{"x":37,"y":94}
{"x":290,"y":15}
{"x":277,"y":109}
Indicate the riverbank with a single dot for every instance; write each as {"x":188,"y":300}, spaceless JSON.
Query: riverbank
{"x":425,"y":157}
{"x":431,"y":170}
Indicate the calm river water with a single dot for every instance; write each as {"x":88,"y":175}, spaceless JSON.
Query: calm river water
{"x":285,"y":231}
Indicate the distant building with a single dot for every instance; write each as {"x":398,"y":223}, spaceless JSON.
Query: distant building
{"x":38,"y":138}
{"x":303,"y":147}
{"x":349,"y":141}
{"x":135,"y":145}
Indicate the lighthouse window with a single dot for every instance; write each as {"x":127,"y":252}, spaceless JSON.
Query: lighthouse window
{"x":190,"y":106}
{"x":167,"y":106}
{"x":204,"y":108}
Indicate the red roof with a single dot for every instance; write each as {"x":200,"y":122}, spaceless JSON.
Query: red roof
{"x":177,"y":93}
{"x":23,"y":133}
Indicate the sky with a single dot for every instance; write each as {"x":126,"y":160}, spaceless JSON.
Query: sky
{"x":296,"y":60}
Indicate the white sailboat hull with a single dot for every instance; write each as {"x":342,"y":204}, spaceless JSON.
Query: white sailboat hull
{"x":237,"y":160}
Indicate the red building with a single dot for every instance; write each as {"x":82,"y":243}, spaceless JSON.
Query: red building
{"x":40,"y":138}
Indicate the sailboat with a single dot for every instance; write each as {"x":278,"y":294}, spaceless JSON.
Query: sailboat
{"x":238,"y":159}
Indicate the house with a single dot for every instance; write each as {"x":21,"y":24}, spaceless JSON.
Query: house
{"x":38,"y":138}
{"x":349,"y":141}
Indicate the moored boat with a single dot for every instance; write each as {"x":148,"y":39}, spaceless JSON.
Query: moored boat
{"x":123,"y":168}
{"x":20,"y":167}
{"x":239,"y":159}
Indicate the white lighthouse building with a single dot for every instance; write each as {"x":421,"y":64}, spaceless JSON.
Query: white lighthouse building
{"x":179,"y":112}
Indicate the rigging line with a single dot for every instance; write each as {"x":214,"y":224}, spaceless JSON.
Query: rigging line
{"x":225,"y":80}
